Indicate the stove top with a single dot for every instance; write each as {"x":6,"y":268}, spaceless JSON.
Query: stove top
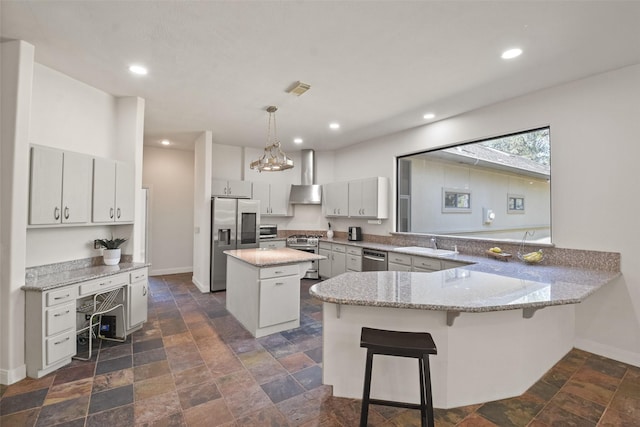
{"x":304,"y":239}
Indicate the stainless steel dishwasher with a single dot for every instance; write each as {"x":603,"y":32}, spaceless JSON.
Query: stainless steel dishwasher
{"x":373,"y":260}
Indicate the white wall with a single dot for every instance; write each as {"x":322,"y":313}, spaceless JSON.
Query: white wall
{"x":169,"y":176}
{"x":594,"y":150}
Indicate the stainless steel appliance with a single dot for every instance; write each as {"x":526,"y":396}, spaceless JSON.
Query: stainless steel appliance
{"x":235,"y":224}
{"x":373,"y":260}
{"x":307,"y":243}
{"x":355,"y":233}
{"x":268,"y":231}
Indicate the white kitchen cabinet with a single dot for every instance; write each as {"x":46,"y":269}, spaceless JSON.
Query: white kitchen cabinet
{"x":369,"y":198}
{"x":60,"y":187}
{"x":274,"y":198}
{"x":138,"y":298}
{"x":336,"y":262}
{"x":324,"y":265}
{"x":425,"y":264}
{"x":279,"y":300}
{"x":354,"y":258}
{"x":399,"y":262}
{"x":231,"y":188}
{"x":273,"y":244}
{"x":113,"y":191}
{"x":336,"y":199}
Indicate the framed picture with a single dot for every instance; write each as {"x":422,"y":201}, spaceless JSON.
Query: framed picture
{"x":456,"y":200}
{"x":515,"y":203}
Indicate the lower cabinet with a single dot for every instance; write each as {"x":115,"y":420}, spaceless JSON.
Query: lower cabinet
{"x":279,"y":301}
{"x":354,"y":258}
{"x":398,"y":262}
{"x":273,"y":244}
{"x":137,"y":299}
{"x":336,"y":262}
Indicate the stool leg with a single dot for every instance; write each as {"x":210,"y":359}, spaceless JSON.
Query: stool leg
{"x":427,"y":381}
{"x":364,"y":411}
{"x":423,"y":402}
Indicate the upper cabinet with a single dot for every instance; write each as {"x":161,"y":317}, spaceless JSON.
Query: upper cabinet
{"x":336,"y":199}
{"x":274,"y":199}
{"x":361,"y":198}
{"x":113,"y":191}
{"x":60,"y":187}
{"x":231,"y":188}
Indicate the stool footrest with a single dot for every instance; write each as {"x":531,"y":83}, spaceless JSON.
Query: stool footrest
{"x":394,"y":403}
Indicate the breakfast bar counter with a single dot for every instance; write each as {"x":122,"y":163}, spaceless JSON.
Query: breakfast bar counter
{"x":498,"y":327}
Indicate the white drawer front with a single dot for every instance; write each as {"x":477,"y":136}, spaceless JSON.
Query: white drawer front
{"x":59,"y":296}
{"x":324,"y":245}
{"x":398,"y":267}
{"x":61,"y":346}
{"x":452,"y":264}
{"x":338,"y":248}
{"x":138,"y":275}
{"x":399,"y":258}
{"x":279,"y":271}
{"x":352,"y":250}
{"x":354,"y":263}
{"x":61,"y":318}
{"x":103,"y":284}
{"x":426,"y":263}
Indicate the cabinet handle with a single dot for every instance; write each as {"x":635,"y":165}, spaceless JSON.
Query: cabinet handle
{"x":144,"y":290}
{"x":57,"y":298}
{"x":56,"y":213}
{"x":66,"y":212}
{"x":60,"y":342}
{"x":118,"y":212}
{"x":61,"y":314}
{"x":105,"y":283}
{"x":110,"y":212}
{"x":279,"y":283}
{"x":279,"y":272}
{"x":229,"y":190}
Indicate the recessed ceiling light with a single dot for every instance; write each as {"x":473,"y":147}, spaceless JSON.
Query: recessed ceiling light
{"x":165,"y":142}
{"x":297,"y":140}
{"x":138,"y":69}
{"x":429,"y":116}
{"x":511,"y":53}
{"x":334,"y":125}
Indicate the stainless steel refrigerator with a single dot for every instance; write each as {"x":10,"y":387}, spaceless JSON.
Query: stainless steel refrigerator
{"x":235,"y":224}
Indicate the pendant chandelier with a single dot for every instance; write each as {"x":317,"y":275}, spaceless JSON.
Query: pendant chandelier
{"x":273,"y":159}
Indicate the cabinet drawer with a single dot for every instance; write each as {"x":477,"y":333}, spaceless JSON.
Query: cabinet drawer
{"x":105,"y":283}
{"x":352,"y":250}
{"x":279,"y":300}
{"x":338,"y":248}
{"x":324,"y":245}
{"x":426,"y":263}
{"x":61,"y":318}
{"x":60,"y":296}
{"x":279,"y":271}
{"x":452,"y":264}
{"x":398,"y":267}
{"x":354,"y":263}
{"x":399,"y":258}
{"x":61,"y":346}
{"x":138,"y":275}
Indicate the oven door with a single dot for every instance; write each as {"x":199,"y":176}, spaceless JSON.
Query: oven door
{"x":312,"y":272}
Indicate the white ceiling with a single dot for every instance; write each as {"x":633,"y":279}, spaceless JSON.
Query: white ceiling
{"x":375,"y":67}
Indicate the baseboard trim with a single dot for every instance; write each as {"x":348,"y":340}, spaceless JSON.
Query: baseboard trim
{"x":163,"y":271}
{"x":11,"y":376}
{"x":202,"y":288}
{"x":614,"y":353}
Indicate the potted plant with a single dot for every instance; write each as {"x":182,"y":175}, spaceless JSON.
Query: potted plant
{"x":111,"y":253}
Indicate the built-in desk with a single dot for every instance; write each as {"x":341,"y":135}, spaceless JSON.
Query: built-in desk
{"x":52,"y":300}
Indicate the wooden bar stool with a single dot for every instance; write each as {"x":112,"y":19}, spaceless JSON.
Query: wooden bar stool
{"x":417,"y":345}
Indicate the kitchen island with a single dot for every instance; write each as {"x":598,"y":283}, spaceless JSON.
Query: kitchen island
{"x":498,"y":328}
{"x":263,"y":287}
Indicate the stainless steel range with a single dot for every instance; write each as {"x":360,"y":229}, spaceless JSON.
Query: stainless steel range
{"x":307,"y":243}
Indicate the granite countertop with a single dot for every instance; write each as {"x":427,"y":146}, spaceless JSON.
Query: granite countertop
{"x":57,"y":279}
{"x":488,"y":285}
{"x":269,"y":257}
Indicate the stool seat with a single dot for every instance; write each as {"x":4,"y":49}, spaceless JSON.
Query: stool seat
{"x":396,"y":343}
{"x":418,"y":345}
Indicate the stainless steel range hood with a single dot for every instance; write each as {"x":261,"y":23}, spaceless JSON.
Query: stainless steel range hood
{"x":308,"y":193}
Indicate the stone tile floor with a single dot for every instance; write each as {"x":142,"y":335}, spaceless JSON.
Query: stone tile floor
{"x":193,"y":364}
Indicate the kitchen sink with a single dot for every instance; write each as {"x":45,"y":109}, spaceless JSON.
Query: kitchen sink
{"x":419,"y":250}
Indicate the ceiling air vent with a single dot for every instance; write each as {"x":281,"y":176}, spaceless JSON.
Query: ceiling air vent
{"x":298,"y":88}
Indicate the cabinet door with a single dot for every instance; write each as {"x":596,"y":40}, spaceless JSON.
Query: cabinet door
{"x":279,"y":300}
{"x":219,"y":188}
{"x":261,"y":192}
{"x":324,"y":265}
{"x":279,"y":197}
{"x":369,"y":197}
{"x":104,"y":190}
{"x":76,"y":188}
{"x":241,"y":189}
{"x":354,"y":262}
{"x":336,"y":199}
{"x":338,"y":263}
{"x":355,"y":198}
{"x":46,"y":186}
{"x":125,"y":192}
{"x":138,"y":294}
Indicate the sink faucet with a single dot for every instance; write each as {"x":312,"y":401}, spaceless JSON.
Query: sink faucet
{"x":434,"y":246}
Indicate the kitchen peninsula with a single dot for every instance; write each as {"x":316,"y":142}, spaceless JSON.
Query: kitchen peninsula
{"x":498,"y":327}
{"x":263,"y":287}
